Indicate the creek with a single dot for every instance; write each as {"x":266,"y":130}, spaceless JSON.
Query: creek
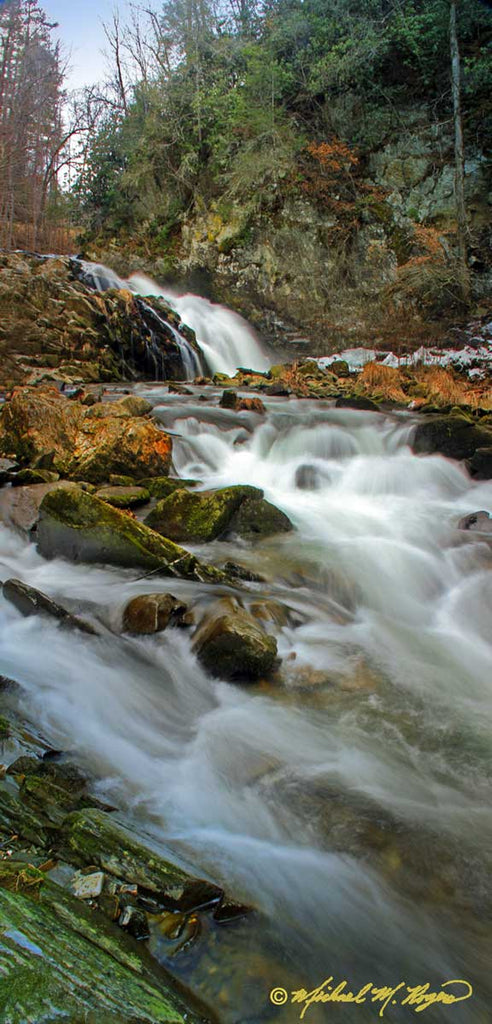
{"x":348,"y":799}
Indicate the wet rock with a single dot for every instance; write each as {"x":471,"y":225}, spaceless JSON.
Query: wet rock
{"x":453,"y":436}
{"x":278,"y":390}
{"x":92,"y":837}
{"x":151,"y":613}
{"x":198,"y":516}
{"x":356,"y":402}
{"x":124,"y":496}
{"x":19,"y":507}
{"x":135,"y":922}
{"x":240,"y":572}
{"x":308,"y":478}
{"x":88,"y":887}
{"x":7,"y":466}
{"x":229,"y":399}
{"x":49,"y":935}
{"x":252,"y":405}
{"x":480,"y":464}
{"x":231,"y":644}
{"x":30,"y":601}
{"x":258,"y":518}
{"x":39,"y":420}
{"x":122,"y":445}
{"x":477,"y":522}
{"x":81,"y":528}
{"x":230,"y":911}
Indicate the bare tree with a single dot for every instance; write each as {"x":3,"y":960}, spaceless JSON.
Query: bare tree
{"x":459,"y":181}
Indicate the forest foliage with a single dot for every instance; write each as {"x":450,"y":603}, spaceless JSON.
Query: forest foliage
{"x":246,"y":99}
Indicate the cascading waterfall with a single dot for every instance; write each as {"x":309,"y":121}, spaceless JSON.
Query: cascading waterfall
{"x":383,"y":716}
{"x":225,"y":340}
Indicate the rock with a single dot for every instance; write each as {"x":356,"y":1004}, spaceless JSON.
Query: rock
{"x":240,"y":572}
{"x":162,"y":486}
{"x":84,"y":444}
{"x":307,"y":478}
{"x":452,"y":436}
{"x":151,"y":613}
{"x":278,"y":390}
{"x":87,"y":887}
{"x":135,"y":922}
{"x":119,"y":480}
{"x":7,"y":466}
{"x":202,"y":516}
{"x":123,"y":496}
{"x":48,"y":935}
{"x":80,"y":527}
{"x":229,"y":399}
{"x":198,"y":516}
{"x":19,"y":507}
{"x":259,"y":518}
{"x":480,"y":464}
{"x":33,"y":476}
{"x":232,"y":645}
{"x":122,"y":408}
{"x":251,"y":405}
{"x":478,"y":522}
{"x":356,"y":402}
{"x":230,"y":911}
{"x":30,"y":601}
{"x":91,"y":837}
{"x":122,"y":445}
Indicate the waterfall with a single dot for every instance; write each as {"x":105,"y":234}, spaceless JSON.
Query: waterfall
{"x":224,"y":338}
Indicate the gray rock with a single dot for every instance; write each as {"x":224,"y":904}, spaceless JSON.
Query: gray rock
{"x":30,"y":601}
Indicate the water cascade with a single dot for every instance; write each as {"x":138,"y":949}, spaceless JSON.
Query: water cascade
{"x":225,"y":340}
{"x":346,"y":802}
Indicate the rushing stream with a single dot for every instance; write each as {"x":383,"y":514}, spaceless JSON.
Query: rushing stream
{"x":348,"y":800}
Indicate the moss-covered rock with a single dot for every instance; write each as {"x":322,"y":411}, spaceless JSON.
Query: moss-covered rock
{"x":81,"y":527}
{"x":122,"y":408}
{"x":60,"y":959}
{"x":162,"y":486}
{"x":231,"y":644}
{"x":124,"y":496}
{"x":26,"y":477}
{"x":453,"y":436}
{"x":92,"y":837}
{"x":356,"y":402}
{"x":198,"y":516}
{"x":151,"y":613}
{"x":480,"y":464}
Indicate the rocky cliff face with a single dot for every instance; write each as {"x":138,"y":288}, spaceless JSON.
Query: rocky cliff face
{"x":373,"y":263}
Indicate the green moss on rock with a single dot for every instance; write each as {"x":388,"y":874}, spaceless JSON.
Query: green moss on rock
{"x":198,"y":516}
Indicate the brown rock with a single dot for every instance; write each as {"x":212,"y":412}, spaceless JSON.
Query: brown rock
{"x":151,"y":613}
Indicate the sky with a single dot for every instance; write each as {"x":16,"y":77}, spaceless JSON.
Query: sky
{"x":81,"y":33}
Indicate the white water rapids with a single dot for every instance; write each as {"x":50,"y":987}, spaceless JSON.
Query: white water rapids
{"x":383,"y":716}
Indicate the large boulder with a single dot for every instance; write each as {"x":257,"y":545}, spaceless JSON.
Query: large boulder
{"x":121,"y":496}
{"x":456,"y":437}
{"x":232,"y":645}
{"x":201,"y":516}
{"x":83,"y":443}
{"x":82,"y":528}
{"x":480,"y":464}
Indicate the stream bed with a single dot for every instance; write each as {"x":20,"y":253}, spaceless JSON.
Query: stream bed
{"x":347,"y":799}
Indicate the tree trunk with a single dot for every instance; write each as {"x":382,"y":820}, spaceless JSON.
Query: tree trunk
{"x":459,"y":173}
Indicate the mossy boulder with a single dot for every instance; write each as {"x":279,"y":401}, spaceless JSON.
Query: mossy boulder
{"x":232,"y":645}
{"x":124,"y":496}
{"x":198,"y":516}
{"x":151,"y":613}
{"x":480,"y":464}
{"x":82,"y":528}
{"x":27,"y":477}
{"x":202,"y":516}
{"x":122,"y":408}
{"x":356,"y":402}
{"x":121,"y":445}
{"x":453,"y":436}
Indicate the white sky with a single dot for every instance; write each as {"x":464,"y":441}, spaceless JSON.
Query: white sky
{"x":82,"y":35}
